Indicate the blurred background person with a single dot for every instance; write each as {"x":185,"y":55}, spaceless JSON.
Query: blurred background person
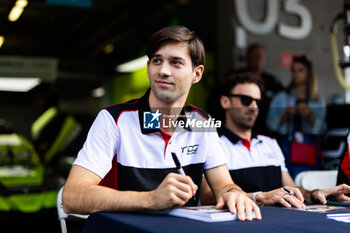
{"x":298,"y":114}
{"x":255,"y":60}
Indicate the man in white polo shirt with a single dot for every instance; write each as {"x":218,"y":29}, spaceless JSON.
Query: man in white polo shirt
{"x":256,"y":162}
{"x":127,"y":164}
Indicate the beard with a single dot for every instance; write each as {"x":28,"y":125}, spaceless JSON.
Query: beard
{"x":246,"y":124}
{"x":246,"y":119}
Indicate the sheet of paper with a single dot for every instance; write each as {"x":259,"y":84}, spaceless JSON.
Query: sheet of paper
{"x":341,"y":217}
{"x":322,"y":208}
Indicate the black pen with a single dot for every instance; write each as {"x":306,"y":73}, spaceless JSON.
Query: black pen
{"x":177,"y":163}
{"x":289,"y":191}
{"x":179,"y":168}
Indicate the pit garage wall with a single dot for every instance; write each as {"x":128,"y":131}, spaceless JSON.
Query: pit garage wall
{"x":290,"y":13}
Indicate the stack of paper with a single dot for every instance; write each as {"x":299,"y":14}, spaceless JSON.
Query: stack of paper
{"x":341,"y":217}
{"x":204,"y":213}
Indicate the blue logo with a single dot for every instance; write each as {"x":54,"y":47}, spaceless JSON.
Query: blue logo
{"x":151,"y":120}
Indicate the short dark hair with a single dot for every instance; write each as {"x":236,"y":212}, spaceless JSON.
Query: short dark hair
{"x":252,"y":47}
{"x":178,"y":34}
{"x":233,"y":79}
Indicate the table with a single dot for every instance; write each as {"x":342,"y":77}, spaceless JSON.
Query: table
{"x":275,"y":219}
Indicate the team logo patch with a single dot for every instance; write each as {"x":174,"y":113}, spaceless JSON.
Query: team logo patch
{"x":190,"y":149}
{"x":151,"y":120}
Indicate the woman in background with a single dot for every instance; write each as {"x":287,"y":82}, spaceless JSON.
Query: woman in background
{"x":298,"y":113}
{"x":299,"y":108}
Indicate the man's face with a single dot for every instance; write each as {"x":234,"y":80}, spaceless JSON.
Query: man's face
{"x":256,"y":60}
{"x":242,"y":116}
{"x":170,"y":72}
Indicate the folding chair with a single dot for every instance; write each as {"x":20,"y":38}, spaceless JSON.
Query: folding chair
{"x":320,"y":179}
{"x":62,"y":216}
{"x":333,"y":147}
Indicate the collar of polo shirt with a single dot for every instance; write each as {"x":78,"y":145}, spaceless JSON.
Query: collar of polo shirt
{"x":234,"y":138}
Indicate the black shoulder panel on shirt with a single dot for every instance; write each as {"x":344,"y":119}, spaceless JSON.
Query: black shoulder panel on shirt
{"x":116,"y":109}
{"x":191,"y":108}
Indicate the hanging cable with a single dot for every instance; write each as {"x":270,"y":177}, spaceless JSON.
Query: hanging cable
{"x":335,"y":55}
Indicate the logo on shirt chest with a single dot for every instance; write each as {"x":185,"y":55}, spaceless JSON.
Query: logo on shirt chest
{"x":269,"y":155}
{"x":190,"y":149}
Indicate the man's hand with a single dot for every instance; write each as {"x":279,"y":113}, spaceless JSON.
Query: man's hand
{"x":175,"y":190}
{"x":283,"y":197}
{"x":238,"y":202}
{"x":337,"y":192}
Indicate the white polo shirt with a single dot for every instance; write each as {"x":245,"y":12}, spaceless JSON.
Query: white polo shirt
{"x":254,"y":165}
{"x":129,"y":157}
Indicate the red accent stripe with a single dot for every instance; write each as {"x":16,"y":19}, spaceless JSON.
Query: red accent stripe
{"x":196,"y":109}
{"x":129,"y":110}
{"x":246,"y":143}
{"x":198,"y":113}
{"x":111,"y":179}
{"x":345,"y":164}
{"x":166,"y":138}
{"x":122,"y":103}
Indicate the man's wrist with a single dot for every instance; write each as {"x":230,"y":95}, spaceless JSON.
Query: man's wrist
{"x":312,"y":199}
{"x":231,"y":189}
{"x":255,"y":195}
{"x":146,"y":201}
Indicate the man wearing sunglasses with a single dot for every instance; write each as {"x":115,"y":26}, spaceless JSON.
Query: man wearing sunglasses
{"x":255,"y":62}
{"x":256,"y":162}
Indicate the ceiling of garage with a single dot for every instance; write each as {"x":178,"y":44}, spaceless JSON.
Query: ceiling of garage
{"x":78,"y":36}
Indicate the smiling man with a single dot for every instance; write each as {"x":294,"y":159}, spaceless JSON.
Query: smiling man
{"x":126,"y":162}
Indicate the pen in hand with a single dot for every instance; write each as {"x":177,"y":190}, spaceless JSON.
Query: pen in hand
{"x":291,"y":192}
{"x":179,"y":168}
{"x":177,"y":163}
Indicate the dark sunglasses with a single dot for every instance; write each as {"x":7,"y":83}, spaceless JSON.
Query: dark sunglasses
{"x":246,"y":100}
